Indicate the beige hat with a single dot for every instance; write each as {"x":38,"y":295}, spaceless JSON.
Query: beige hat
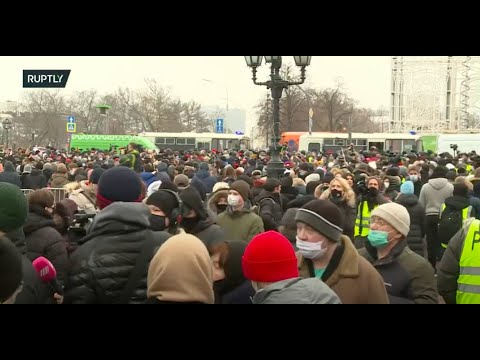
{"x":396,"y":215}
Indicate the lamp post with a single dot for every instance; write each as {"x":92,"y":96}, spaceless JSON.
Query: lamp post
{"x":7,"y":125}
{"x":275,"y":167}
{"x":103,"y":112}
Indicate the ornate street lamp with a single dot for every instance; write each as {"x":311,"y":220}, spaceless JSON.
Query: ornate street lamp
{"x":7,"y":125}
{"x":275,"y":166}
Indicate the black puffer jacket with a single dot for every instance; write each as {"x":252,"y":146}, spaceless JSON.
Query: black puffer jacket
{"x":101,"y":266}
{"x":33,"y":290}
{"x":417,"y":222}
{"x":270,"y":209}
{"x":43,"y":239}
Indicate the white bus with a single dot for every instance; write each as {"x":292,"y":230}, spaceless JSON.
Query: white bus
{"x":189,"y":141}
{"x":333,"y":142}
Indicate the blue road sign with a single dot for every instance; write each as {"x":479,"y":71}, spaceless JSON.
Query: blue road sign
{"x":71,"y":127}
{"x":70,"y":119}
{"x":219,"y":126}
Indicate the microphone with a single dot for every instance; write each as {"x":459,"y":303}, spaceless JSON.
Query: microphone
{"x":47,"y":273}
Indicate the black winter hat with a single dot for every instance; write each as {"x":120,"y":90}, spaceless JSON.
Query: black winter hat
{"x":191,"y":200}
{"x":323,"y":216}
{"x":393,"y":171}
{"x":164,"y":200}
{"x":95,"y":175}
{"x":120,"y":184}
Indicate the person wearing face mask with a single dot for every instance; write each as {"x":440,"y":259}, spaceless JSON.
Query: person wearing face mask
{"x":196,"y":220}
{"x":162,"y":205}
{"x":325,"y":253}
{"x":392,"y":183}
{"x":408,"y":277}
{"x":340,"y":193}
{"x":367,"y":201}
{"x":270,"y":264}
{"x":415,"y":178}
{"x":217,"y":201}
{"x":238,"y":221}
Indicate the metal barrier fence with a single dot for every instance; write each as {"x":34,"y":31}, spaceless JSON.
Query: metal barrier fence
{"x":58,"y":194}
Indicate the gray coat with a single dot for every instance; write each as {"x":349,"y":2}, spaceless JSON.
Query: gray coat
{"x":297,"y":291}
{"x":433,"y":195}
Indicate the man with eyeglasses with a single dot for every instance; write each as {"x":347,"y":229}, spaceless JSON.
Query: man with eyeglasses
{"x":408,"y":277}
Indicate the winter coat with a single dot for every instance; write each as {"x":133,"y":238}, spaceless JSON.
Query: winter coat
{"x":206,"y":179}
{"x":349,"y":275}
{"x":33,"y":290}
{"x":240,"y":225}
{"x":270,"y":209}
{"x":42,"y":239}
{"x":9,"y":175}
{"x":59,"y":180}
{"x":35,"y":180}
{"x":148,"y":178}
{"x":417,"y":222}
{"x":297,"y":291}
{"x":409,"y":278}
{"x":433,"y":195}
{"x":101,"y":266}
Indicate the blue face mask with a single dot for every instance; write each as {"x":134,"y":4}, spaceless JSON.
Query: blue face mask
{"x":377,"y":238}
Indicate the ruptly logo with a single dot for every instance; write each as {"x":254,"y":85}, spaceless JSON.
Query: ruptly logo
{"x":45,"y":78}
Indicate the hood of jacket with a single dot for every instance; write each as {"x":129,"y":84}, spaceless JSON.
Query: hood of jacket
{"x":457,"y":202}
{"x":297,"y":291}
{"x":438,"y":183}
{"x":37,"y":218}
{"x":407,"y":200}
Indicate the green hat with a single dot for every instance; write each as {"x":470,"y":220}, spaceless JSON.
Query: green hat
{"x":13,"y":207}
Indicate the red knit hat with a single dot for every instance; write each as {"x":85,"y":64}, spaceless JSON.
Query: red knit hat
{"x":269,"y":257}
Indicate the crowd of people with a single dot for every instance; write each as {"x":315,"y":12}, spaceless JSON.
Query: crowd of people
{"x":215,"y":227}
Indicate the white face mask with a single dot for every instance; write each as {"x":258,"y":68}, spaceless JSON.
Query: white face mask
{"x":233,"y":200}
{"x":310,"y":250}
{"x":386,"y":184}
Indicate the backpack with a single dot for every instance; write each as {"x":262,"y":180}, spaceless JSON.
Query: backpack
{"x":450,"y":222}
{"x":256,"y":209}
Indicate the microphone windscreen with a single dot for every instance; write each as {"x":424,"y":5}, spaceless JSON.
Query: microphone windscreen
{"x":45,"y":269}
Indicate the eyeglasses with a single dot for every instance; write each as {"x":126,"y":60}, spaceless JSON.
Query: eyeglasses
{"x":378,"y":221}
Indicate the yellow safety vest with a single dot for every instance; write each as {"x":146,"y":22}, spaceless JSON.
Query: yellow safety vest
{"x":469,"y":168}
{"x":466,"y":213}
{"x":468,"y":288}
{"x":363,"y":220}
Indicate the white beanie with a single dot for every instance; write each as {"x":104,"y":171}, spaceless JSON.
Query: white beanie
{"x":396,"y":215}
{"x":312,"y":177}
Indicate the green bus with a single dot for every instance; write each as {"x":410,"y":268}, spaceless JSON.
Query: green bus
{"x":106,"y":142}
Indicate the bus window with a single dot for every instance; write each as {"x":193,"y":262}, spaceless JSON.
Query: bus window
{"x":190,"y":141}
{"x":314,"y":146}
{"x":408,"y":145}
{"x":379,"y":145}
{"x":203,"y":146}
{"x":393,"y":145}
{"x":181,"y":141}
{"x":419,"y":145}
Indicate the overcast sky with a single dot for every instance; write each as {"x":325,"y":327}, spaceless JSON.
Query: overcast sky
{"x":366,"y":78}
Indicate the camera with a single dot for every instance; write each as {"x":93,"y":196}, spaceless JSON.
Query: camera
{"x":362,"y":187}
{"x":80,"y":223}
{"x":454,"y":146}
